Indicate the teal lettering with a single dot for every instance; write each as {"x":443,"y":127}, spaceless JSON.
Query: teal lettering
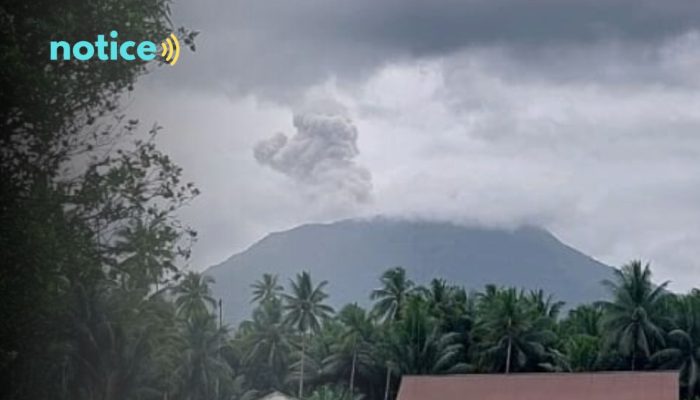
{"x":62,"y":45}
{"x":146,"y":50}
{"x":101,"y":45}
{"x":123,"y":50}
{"x":83,"y":56}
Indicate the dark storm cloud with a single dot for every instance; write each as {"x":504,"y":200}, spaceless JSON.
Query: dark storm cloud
{"x":435,"y":26}
{"x":266,"y":46}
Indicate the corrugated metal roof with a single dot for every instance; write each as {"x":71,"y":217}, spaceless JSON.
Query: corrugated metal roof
{"x":543,"y":386}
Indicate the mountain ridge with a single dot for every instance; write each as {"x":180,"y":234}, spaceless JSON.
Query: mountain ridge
{"x":351,"y":254}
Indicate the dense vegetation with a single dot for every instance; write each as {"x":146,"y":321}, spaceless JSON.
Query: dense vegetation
{"x":294,"y":342}
{"x":98,"y":306}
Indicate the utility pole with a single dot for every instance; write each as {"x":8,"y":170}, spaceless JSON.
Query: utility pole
{"x":388,"y":381}
{"x":221,"y":313}
{"x":218,"y":348}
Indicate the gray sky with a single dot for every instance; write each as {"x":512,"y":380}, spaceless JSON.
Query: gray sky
{"x":582,"y":117}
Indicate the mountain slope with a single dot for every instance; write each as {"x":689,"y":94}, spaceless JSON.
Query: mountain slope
{"x":352,"y":254}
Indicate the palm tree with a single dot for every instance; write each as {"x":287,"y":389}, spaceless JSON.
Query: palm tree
{"x":352,"y":350}
{"x":513,"y":334}
{"x":450,"y":305}
{"x":117,"y":342}
{"x":193,"y":296}
{"x":582,"y":352}
{"x":305,"y":310}
{"x":266,"y":342}
{"x":683,"y":352}
{"x":146,"y":249}
{"x":437,"y":292}
{"x":393,"y":293}
{"x":329,"y":392}
{"x":266,"y":289}
{"x":544,"y":305}
{"x":417,"y":346}
{"x":582,"y":338}
{"x":632,"y":320}
{"x":201,"y":370}
{"x":584,"y":320}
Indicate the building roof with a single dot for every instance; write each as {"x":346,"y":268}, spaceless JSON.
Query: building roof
{"x":277,"y":396}
{"x":558,"y":386}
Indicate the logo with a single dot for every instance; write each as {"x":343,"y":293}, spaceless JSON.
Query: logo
{"x":113,"y":50}
{"x":171,"y":49}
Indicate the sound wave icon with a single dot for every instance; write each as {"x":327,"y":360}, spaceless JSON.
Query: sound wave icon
{"x":171,"y":49}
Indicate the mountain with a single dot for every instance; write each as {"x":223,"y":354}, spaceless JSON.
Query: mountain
{"x":352,"y":254}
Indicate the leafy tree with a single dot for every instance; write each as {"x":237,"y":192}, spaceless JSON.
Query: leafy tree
{"x":71,"y":181}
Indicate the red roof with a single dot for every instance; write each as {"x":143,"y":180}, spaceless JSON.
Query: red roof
{"x":543,"y":386}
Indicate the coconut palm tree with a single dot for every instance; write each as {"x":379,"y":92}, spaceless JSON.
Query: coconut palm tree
{"x":584,"y":320}
{"x":201,"y":371}
{"x":683,"y":351}
{"x":116,"y":343}
{"x":352,"y":351}
{"x":146,"y":252}
{"x":193,"y":296}
{"x":513,"y":334}
{"x":266,"y":289}
{"x":330,"y":392}
{"x":633,"y":318}
{"x":417,"y":346}
{"x":582,"y":352}
{"x":305,"y":310}
{"x":544,"y":305}
{"x":266,"y":340}
{"x":582,"y":337}
{"x":393,"y":294}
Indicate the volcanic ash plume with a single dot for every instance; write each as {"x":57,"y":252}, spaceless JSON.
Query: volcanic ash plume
{"x":321,"y":154}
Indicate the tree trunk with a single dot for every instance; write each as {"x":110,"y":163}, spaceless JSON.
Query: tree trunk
{"x":303,"y":354}
{"x":388,"y":381}
{"x":352,"y":373}
{"x":509,"y":355}
{"x":634,"y":350}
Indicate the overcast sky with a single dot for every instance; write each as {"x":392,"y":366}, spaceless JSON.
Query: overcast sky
{"x":582,"y":117}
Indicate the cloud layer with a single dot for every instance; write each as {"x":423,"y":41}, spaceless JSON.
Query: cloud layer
{"x":278,"y":49}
